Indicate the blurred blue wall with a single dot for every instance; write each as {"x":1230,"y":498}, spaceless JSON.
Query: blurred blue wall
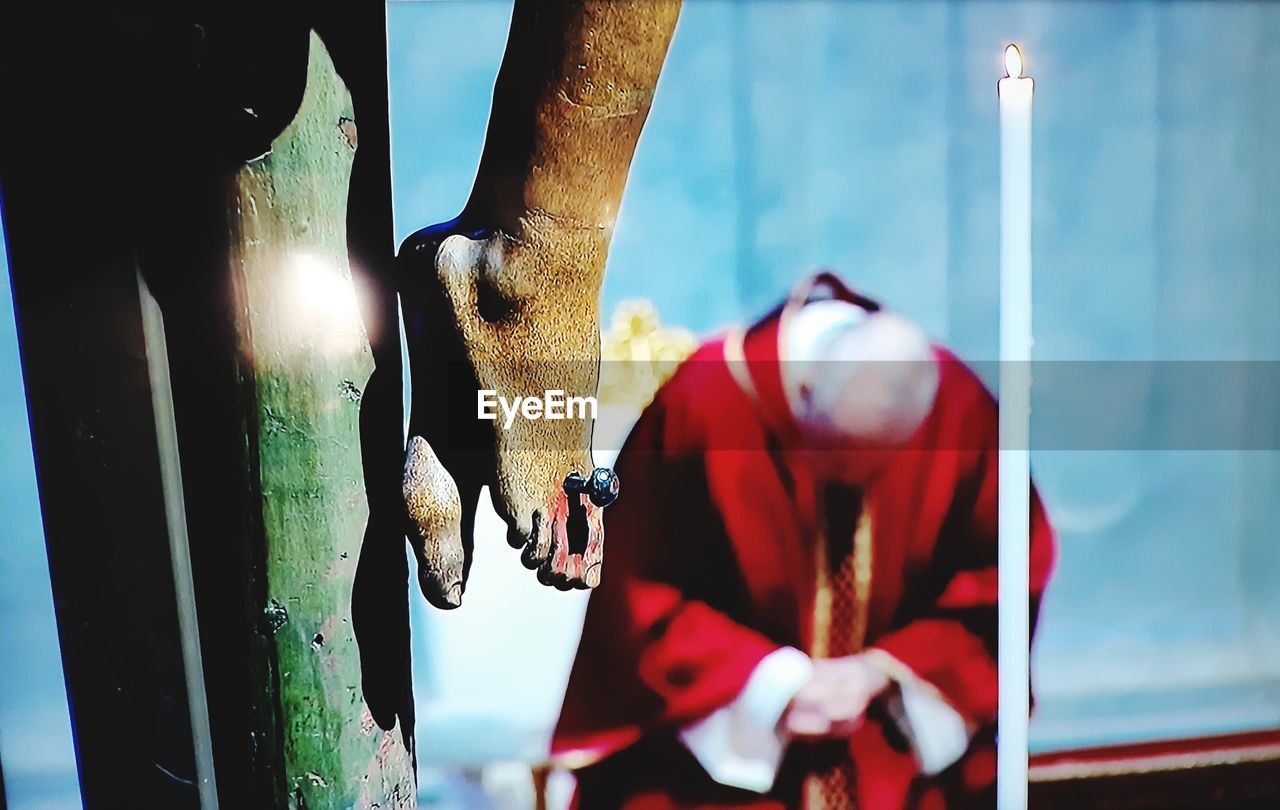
{"x":36,"y":750}
{"x":863,"y":136}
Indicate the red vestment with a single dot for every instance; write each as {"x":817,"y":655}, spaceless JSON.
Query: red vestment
{"x":710,"y":567}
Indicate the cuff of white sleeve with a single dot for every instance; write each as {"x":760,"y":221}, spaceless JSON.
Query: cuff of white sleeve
{"x":938,"y":733}
{"x":740,"y":744}
{"x":772,"y":685}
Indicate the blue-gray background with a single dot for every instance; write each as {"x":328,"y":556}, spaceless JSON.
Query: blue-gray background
{"x":863,"y":136}
{"x":35,"y":729}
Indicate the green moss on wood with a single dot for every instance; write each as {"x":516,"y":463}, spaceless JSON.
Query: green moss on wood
{"x":310,"y":360}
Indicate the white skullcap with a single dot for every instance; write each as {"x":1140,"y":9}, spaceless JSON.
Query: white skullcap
{"x":890,"y":356}
{"x":808,"y":330}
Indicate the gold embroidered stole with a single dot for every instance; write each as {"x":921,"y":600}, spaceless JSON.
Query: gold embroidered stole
{"x":843,"y":557}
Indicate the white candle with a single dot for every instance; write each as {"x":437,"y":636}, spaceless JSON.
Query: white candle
{"x":1015,"y":429}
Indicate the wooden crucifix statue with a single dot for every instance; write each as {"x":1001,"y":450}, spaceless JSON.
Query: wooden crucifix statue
{"x":504,"y":298}
{"x":194,"y":151}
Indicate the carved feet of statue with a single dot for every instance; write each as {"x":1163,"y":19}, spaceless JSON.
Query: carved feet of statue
{"x":505,"y":316}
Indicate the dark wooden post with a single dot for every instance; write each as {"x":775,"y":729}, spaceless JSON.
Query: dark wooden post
{"x":117,"y":169}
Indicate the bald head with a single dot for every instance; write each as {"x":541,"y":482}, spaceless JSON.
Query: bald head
{"x":858,"y":378}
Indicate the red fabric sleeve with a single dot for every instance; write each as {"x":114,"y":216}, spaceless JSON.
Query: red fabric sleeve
{"x":951,"y":643}
{"x":650,"y":656}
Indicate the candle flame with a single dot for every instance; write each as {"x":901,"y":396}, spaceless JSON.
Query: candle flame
{"x":1013,"y":62}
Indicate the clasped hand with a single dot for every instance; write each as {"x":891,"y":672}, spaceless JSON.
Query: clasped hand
{"x":833,"y":703}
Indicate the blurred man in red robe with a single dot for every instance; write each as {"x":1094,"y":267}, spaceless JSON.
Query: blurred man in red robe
{"x":799,"y":607}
